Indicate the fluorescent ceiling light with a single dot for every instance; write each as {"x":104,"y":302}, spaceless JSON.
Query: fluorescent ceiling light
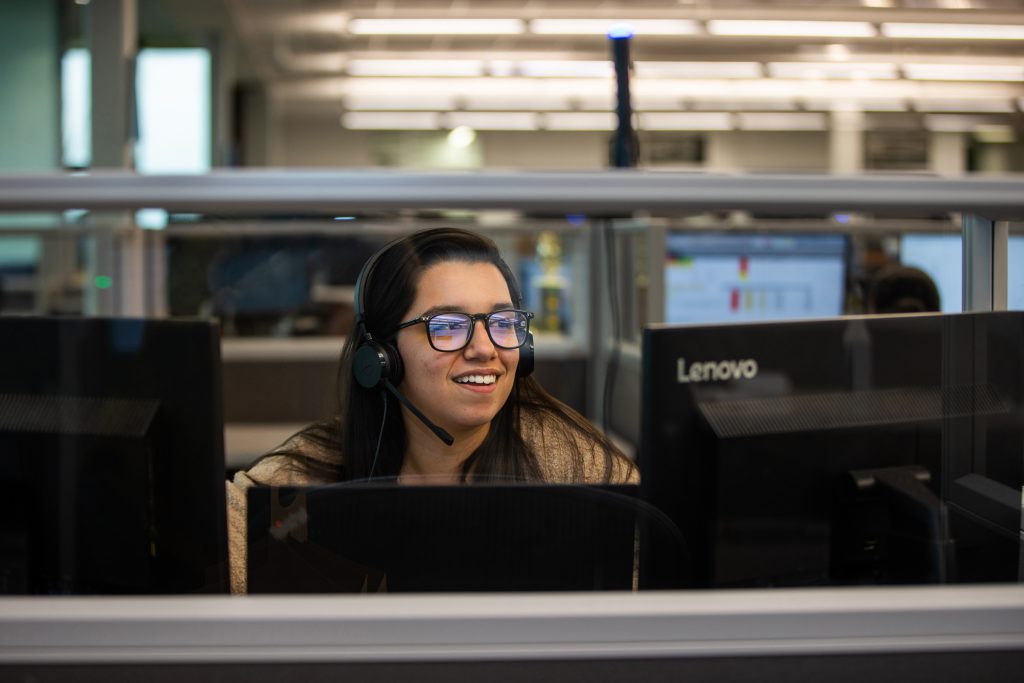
{"x":866,"y":104}
{"x":513,"y":120}
{"x":502,"y":67}
{"x":310,"y":22}
{"x":745,"y":27}
{"x":953,"y":31}
{"x":566,"y":68}
{"x":789,"y":121}
{"x":581,"y":120}
{"x":964,"y":72}
{"x":365,"y":120}
{"x":993,"y":106}
{"x":415,"y":67}
{"x":399,"y":102}
{"x":872,"y":71}
{"x":649,"y":102}
{"x":436,"y":26}
{"x":734,"y":104}
{"x":600,"y":27}
{"x":461,"y":137}
{"x":698,"y":69}
{"x":686,"y":121}
{"x":501,"y":102}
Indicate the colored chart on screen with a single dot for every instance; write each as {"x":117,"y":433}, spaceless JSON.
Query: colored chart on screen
{"x":719,"y":277}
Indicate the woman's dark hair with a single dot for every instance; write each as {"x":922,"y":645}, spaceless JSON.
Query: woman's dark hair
{"x":902,"y":289}
{"x":346,"y":443}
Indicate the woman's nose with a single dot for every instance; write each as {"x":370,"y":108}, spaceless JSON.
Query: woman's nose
{"x":480,"y":345}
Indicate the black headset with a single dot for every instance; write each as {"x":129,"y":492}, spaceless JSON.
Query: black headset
{"x":377,"y":362}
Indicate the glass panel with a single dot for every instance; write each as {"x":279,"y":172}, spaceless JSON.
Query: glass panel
{"x":1015,"y":268}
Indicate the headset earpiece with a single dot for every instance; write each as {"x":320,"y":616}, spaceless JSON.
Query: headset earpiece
{"x":375,"y":363}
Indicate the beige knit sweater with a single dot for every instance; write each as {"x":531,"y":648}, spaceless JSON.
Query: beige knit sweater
{"x":550,"y":440}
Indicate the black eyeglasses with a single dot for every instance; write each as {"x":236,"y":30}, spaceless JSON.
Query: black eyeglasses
{"x":453,"y":330}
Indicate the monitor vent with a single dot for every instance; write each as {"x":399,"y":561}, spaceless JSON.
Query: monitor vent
{"x":814,"y":412}
{"x":76,"y":415}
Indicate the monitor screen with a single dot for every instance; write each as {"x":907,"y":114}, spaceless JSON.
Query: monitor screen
{"x":111,"y":457}
{"x":731,"y":277}
{"x":941,"y":256}
{"x":874,"y":449}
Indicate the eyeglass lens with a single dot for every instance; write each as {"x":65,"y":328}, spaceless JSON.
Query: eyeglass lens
{"x":451,"y":331}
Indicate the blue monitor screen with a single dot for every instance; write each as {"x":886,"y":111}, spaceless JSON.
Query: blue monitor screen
{"x":941,"y":256}
{"x":718,"y":277}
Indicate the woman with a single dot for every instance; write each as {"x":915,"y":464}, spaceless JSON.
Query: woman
{"x":439,"y":331}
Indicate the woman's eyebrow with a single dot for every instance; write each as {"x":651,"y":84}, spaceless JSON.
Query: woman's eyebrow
{"x":449,"y":308}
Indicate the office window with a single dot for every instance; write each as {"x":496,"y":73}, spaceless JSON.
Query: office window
{"x":173,"y":109}
{"x":76,"y":106}
{"x":173,"y":97}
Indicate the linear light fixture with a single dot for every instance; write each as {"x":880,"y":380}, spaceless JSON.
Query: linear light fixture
{"x":742,"y":104}
{"x":580,"y":120}
{"x":399,"y":102}
{"x":600,"y":27}
{"x":436,"y":26}
{"x":698,"y":69}
{"x":311,"y":22}
{"x":988,"y":106}
{"x":686,"y":121}
{"x":781,"y":121}
{"x":953,"y":31}
{"x":566,"y":68}
{"x":390,"y":120}
{"x":809,"y":29}
{"x":415,"y":67}
{"x":833,"y":70}
{"x":480,"y":120}
{"x":488,"y":101}
{"x":964,"y":72}
{"x":861,"y":103}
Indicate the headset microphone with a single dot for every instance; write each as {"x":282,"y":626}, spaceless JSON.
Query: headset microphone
{"x":440,"y":433}
{"x":373,"y":366}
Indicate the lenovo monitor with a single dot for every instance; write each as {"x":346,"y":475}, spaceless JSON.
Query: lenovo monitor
{"x":874,"y":449}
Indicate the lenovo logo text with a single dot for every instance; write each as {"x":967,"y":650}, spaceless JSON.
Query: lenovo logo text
{"x":715,"y":370}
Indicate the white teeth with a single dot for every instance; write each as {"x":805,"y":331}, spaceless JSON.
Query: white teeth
{"x":476,"y":379}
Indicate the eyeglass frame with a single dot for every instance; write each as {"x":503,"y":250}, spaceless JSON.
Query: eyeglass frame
{"x":473,"y":318}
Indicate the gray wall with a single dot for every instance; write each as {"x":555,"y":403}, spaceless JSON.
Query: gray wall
{"x":29,"y":85}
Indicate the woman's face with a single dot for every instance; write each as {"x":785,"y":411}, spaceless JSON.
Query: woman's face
{"x":432,"y":377}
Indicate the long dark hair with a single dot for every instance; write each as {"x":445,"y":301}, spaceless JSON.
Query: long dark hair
{"x":345,"y":444}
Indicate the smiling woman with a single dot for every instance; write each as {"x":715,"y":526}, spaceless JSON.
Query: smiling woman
{"x":435,"y":387}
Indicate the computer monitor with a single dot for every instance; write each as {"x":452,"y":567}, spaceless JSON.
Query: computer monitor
{"x":874,"y":449}
{"x":715,"y":277}
{"x":940,"y":255}
{"x":111,"y":457}
{"x":379,"y":536}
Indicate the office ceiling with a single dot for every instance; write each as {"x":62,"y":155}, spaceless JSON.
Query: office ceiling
{"x":696,"y":57}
